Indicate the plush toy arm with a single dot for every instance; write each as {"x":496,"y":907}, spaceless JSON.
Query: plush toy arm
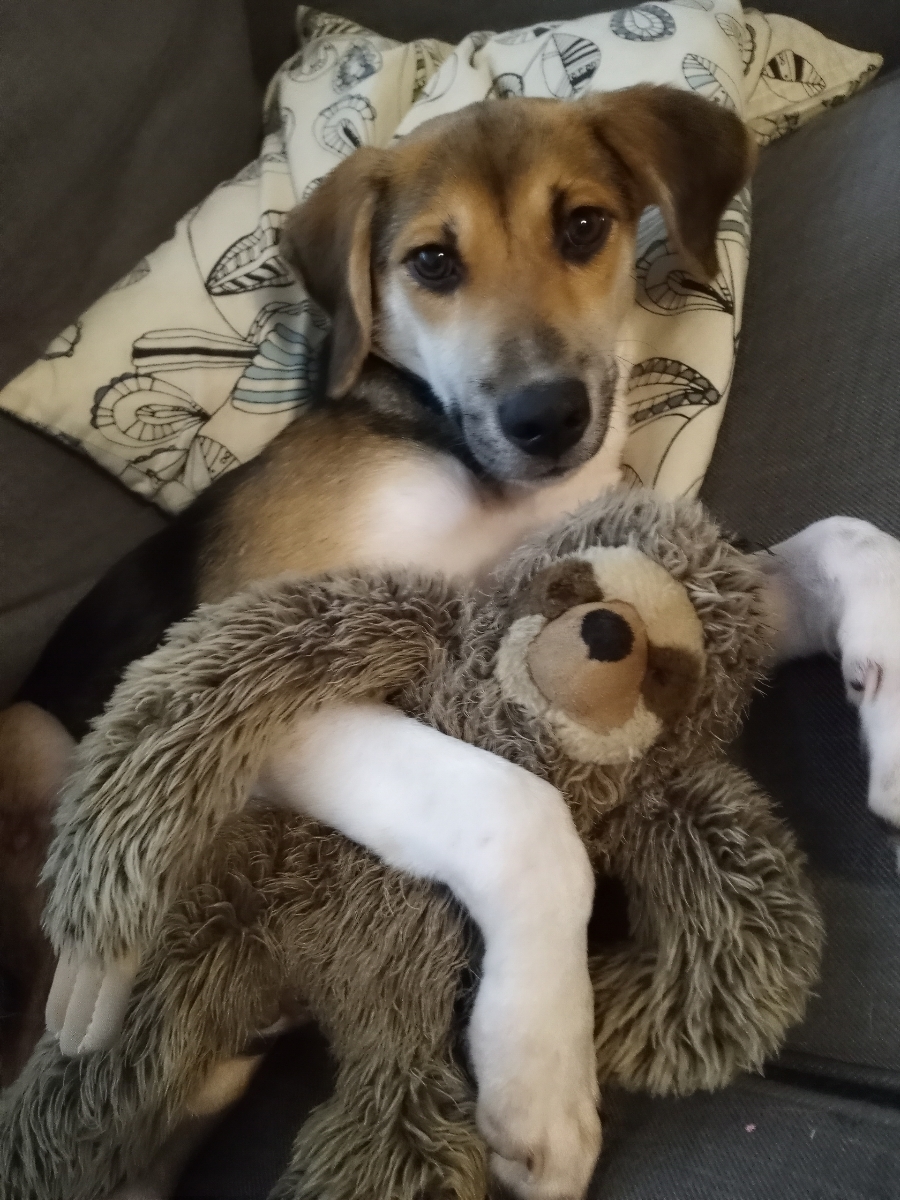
{"x":726,"y":936}
{"x":179,"y":749}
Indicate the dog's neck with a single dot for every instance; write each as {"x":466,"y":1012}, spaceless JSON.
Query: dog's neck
{"x":403,"y":404}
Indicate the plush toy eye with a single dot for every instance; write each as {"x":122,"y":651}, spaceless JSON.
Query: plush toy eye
{"x":435,"y":267}
{"x":583,"y":232}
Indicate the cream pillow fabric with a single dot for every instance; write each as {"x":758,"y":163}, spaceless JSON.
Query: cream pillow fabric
{"x":205,"y":350}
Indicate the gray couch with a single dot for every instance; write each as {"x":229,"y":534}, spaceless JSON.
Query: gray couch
{"x":117,"y":115}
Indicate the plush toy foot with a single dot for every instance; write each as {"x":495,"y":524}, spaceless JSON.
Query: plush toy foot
{"x":88,"y":1000}
{"x":391,"y":1131}
{"x":537,"y":1098}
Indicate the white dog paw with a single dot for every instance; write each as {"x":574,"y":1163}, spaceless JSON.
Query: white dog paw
{"x":840,"y":580}
{"x":537,"y":1095}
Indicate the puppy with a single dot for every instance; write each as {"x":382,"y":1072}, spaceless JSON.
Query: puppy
{"x":476,"y":273}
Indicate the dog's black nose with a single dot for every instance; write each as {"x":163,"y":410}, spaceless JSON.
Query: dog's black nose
{"x":546,"y":418}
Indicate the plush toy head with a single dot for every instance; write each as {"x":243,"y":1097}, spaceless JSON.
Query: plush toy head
{"x":608,"y":650}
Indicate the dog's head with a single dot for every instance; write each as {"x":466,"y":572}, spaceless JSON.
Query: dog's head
{"x":491,"y":253}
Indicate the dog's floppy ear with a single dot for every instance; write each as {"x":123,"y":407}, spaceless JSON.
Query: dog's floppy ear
{"x":328,"y":242}
{"x":684,"y":153}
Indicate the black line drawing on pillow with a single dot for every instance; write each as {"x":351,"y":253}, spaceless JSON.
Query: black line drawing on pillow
{"x":506,"y":85}
{"x":63,"y":345}
{"x":792,"y":77}
{"x":743,"y":35}
{"x":478,"y":39}
{"x":709,"y":80}
{"x":666,"y":286}
{"x":359,"y":61}
{"x":646,"y":23}
{"x":516,"y":37}
{"x":311,"y":24}
{"x":658,"y":386}
{"x":269,"y":160}
{"x":278,"y":119}
{"x":313,"y":60}
{"x":280,"y":375}
{"x":428,"y":56}
{"x":345,"y":125}
{"x":138,"y":410}
{"x":311,"y":187}
{"x":186,"y":349}
{"x":195,"y":466}
{"x":139,"y":271}
{"x":669,"y":394}
{"x":568,"y":63}
{"x":703,"y":5}
{"x":441,"y":81}
{"x":770,"y":129}
{"x":252,"y":261}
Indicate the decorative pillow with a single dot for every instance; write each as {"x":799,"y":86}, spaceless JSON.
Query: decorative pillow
{"x":206,"y":349}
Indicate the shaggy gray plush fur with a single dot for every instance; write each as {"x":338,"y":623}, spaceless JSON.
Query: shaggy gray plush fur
{"x":241,"y":914}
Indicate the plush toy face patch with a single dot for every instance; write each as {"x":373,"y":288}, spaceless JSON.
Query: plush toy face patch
{"x":607,"y":648}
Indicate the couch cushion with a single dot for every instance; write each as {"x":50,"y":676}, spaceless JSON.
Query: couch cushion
{"x":813,"y":428}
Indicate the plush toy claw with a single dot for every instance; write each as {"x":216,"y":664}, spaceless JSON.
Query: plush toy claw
{"x":608,"y":650}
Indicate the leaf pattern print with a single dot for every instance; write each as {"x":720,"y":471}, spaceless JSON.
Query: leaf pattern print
{"x":709,"y":80}
{"x":63,"y":345}
{"x":252,"y":261}
{"x":645,"y":23}
{"x":792,"y":77}
{"x":568,"y":63}
{"x":660,"y":386}
{"x":743,"y":35}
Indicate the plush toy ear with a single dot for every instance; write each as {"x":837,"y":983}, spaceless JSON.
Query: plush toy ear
{"x":682,"y":152}
{"x":328,"y":242}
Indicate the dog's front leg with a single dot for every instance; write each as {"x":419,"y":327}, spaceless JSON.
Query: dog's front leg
{"x":503,"y":841}
{"x":835,"y":587}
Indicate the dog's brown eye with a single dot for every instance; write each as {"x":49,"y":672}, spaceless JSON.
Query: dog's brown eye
{"x":434,"y":266}
{"x":584,"y":231}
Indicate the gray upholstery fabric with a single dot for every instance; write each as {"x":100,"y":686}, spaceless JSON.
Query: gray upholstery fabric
{"x":813,"y":428}
{"x":756,"y":1141}
{"x":115,"y":117}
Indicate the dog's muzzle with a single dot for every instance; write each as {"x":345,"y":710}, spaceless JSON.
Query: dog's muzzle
{"x":546,"y":419}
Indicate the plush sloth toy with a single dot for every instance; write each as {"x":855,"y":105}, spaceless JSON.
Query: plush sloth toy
{"x":614,"y":658}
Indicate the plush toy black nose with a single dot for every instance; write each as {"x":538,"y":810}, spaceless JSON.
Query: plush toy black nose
{"x":607,"y":635}
{"x":546,"y":418}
